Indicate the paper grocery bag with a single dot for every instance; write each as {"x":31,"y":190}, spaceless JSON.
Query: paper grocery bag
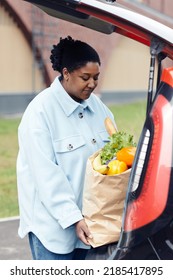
{"x":103,"y":204}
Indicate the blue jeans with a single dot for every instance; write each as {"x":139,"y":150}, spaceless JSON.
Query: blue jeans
{"x":39,"y":252}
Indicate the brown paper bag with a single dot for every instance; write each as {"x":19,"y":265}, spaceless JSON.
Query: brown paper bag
{"x":103,"y":204}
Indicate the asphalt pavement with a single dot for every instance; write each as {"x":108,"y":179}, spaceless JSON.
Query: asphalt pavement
{"x":12,"y":247}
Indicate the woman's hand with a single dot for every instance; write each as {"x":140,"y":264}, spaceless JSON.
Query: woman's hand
{"x":83,"y":232}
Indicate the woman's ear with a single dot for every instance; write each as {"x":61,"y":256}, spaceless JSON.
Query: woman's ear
{"x":65,"y":74}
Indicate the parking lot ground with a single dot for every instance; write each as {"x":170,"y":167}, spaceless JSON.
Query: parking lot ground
{"x":12,"y":247}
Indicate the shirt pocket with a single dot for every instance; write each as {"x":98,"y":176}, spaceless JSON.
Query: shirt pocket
{"x":69,"y":144}
{"x":104,"y":136}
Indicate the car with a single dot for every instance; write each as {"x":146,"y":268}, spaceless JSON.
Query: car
{"x":147,"y":227}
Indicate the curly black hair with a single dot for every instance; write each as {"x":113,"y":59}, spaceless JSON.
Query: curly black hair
{"x":72,"y":54}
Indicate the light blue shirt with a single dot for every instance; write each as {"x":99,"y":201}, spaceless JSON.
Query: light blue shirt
{"x":56,"y":137}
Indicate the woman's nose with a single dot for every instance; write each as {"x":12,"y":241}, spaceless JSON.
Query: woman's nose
{"x":92,"y":83}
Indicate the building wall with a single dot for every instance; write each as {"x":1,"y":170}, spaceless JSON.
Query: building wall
{"x":16,"y":59}
{"x":127,"y":68}
{"x":124,"y":66}
{"x":163,"y":6}
{"x":114,"y":59}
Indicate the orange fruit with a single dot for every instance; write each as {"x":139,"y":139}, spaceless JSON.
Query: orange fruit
{"x":127,"y":155}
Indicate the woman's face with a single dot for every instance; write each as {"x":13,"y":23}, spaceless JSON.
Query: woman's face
{"x":80,"y":83}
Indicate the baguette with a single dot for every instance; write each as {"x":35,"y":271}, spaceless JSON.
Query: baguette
{"x":110,"y":127}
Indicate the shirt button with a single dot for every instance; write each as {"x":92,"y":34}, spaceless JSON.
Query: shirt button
{"x":70,"y":147}
{"x":80,"y":115}
{"x":93,"y":141}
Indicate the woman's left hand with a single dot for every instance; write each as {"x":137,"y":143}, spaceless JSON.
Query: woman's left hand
{"x":83,"y":232}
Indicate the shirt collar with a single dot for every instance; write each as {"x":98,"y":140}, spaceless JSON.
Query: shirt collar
{"x":67,"y":103}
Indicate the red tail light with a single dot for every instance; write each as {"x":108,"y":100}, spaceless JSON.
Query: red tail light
{"x":152,"y":200}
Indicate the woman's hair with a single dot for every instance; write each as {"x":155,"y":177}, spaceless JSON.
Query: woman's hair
{"x":72,"y":54}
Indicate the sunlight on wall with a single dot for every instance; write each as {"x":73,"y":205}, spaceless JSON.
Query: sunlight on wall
{"x":16,"y":69}
{"x":128,"y":67}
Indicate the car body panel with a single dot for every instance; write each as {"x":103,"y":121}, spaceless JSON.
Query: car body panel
{"x":107,"y":18}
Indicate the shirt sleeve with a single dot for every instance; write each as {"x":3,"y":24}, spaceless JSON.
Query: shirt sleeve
{"x":53,"y":187}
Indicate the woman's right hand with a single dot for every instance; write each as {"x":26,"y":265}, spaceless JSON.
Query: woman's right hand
{"x":83,"y":232}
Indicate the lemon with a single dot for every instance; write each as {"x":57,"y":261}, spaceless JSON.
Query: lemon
{"x":116,"y":167}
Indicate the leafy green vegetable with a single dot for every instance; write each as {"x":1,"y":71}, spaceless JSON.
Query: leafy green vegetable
{"x":118,"y":141}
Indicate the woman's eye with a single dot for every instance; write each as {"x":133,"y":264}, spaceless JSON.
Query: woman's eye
{"x":85,"y":78}
{"x":96,"y":78}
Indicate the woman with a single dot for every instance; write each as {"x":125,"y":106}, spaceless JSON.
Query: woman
{"x":59,"y":130}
